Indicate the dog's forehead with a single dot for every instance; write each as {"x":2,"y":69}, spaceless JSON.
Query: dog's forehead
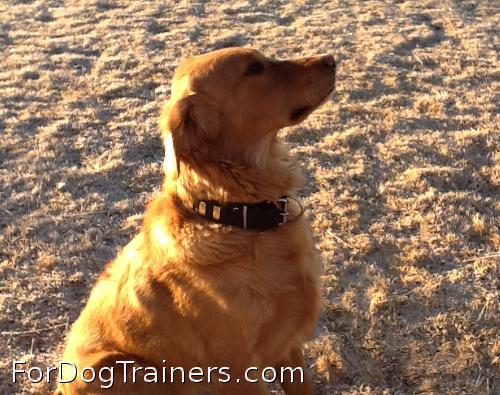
{"x":194,"y":72}
{"x":206,"y":63}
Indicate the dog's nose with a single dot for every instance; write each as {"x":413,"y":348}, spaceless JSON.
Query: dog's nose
{"x":328,"y":60}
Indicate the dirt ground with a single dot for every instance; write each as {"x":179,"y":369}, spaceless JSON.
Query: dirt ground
{"x":403,"y":187}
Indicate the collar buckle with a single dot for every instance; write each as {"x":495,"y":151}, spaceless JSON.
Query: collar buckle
{"x":285,"y":212}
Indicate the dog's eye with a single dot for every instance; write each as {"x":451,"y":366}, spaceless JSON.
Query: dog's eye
{"x":255,"y":68}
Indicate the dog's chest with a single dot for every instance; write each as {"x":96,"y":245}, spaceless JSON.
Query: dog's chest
{"x":272,"y":295}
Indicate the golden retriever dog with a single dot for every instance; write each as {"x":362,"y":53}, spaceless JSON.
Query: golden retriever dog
{"x":222,"y":284}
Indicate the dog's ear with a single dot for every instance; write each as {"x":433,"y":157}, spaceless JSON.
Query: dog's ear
{"x":192,"y":122}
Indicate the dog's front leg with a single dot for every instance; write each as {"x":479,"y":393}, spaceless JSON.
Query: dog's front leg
{"x":294,"y":384}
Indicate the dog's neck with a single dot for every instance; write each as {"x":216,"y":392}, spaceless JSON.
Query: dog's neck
{"x":266,"y":173}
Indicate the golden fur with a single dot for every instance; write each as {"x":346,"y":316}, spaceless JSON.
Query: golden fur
{"x":186,"y":292}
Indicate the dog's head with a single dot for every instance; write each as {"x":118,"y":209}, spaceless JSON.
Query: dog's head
{"x":225,"y":101}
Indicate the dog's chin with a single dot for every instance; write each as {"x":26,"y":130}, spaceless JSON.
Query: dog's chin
{"x":299,"y":114}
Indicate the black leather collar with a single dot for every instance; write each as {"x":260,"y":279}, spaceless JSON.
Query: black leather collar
{"x":255,"y":216}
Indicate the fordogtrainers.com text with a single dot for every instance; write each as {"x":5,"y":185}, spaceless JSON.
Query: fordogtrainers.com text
{"x":128,"y":372}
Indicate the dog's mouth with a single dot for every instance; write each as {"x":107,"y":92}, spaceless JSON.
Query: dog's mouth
{"x":300,"y":113}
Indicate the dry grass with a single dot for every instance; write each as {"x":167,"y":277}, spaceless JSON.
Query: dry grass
{"x":403,"y":188}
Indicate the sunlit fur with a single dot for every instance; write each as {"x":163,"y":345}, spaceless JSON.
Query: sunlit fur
{"x":186,"y":292}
